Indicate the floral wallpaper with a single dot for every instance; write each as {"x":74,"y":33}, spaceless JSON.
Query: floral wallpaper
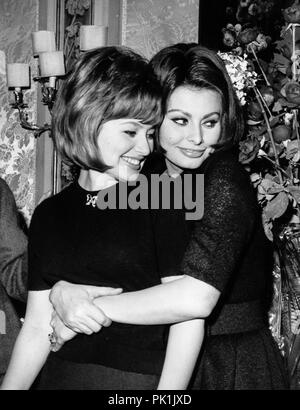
{"x":18,"y":18}
{"x":149,"y":25}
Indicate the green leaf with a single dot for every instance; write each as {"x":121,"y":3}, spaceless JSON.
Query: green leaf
{"x":277,"y":206}
{"x":269,"y":187}
{"x":274,"y":121}
{"x":282,"y":101}
{"x":263,"y":130}
{"x":255,"y":177}
{"x":268,"y":231}
{"x":277,"y":107}
{"x":251,"y":122}
{"x":291,"y":149}
{"x":280,"y":59}
{"x":295,"y":192}
{"x":294,"y":354}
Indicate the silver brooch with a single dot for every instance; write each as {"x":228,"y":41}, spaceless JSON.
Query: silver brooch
{"x":91,"y":200}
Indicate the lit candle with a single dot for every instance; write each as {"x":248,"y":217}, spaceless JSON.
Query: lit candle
{"x":92,"y":37}
{"x":18,"y":75}
{"x":52,"y":64}
{"x":43,"y":41}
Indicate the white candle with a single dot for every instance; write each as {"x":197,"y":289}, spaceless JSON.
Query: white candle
{"x":52,"y":81}
{"x":43,"y":41}
{"x":52,"y":64}
{"x":92,"y":37}
{"x":18,"y":75}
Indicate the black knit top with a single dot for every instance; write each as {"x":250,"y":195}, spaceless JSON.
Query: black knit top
{"x":72,"y":240}
{"x":227,"y":248}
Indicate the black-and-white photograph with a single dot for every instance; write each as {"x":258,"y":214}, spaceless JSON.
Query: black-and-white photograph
{"x":150,"y":197}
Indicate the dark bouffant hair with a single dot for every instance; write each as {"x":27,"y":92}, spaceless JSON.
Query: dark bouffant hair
{"x":195,"y":66}
{"x":105,"y":84}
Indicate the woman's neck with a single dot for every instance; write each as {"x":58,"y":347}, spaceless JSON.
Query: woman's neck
{"x":92,"y":180}
{"x":172,"y":169}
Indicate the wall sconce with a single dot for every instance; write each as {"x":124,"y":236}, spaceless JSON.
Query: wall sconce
{"x":51,"y":68}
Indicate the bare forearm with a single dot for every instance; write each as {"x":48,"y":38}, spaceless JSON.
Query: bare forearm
{"x":29,"y":355}
{"x":32,"y":346}
{"x":176,"y":301}
{"x":184,"y":344}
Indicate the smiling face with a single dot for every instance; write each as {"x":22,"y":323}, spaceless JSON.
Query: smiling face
{"x":124,"y":145}
{"x":192,"y":125}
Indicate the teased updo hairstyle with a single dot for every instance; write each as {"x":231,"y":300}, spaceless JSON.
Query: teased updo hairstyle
{"x":105,"y":84}
{"x":197,"y":67}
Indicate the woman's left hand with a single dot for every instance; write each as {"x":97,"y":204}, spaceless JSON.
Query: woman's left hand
{"x":61,"y":333}
{"x":75,"y":306}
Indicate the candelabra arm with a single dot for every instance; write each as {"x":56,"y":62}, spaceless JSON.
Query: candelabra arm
{"x":49,"y":95}
{"x":23,"y":115}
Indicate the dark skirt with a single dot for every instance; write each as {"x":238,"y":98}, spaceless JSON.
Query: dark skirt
{"x":241,"y":361}
{"x":59,"y":374}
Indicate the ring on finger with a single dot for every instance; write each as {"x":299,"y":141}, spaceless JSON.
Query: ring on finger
{"x":52,"y":339}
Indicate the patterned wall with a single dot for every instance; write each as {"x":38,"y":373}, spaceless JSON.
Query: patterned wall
{"x":18,"y":18}
{"x":150,"y":25}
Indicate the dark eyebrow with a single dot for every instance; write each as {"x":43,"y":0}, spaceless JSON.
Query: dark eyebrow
{"x":189,"y":115}
{"x":132,"y":123}
{"x":182,"y":112}
{"x":212,"y":113}
{"x":139,"y":124}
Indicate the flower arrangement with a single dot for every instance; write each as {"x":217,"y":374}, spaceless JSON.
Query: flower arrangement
{"x":269,"y":91}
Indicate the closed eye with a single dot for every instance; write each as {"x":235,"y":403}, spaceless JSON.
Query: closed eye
{"x":150,"y":134}
{"x":130,"y":133}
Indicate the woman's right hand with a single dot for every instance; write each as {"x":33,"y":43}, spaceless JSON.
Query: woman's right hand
{"x":75,"y":306}
{"x":60,"y":335}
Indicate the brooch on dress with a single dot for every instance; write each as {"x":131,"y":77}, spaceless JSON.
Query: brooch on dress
{"x":91,"y":200}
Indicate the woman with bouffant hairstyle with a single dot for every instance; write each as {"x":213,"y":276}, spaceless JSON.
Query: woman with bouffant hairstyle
{"x":227,"y":252}
{"x":201,"y":68}
{"x":106,"y":84}
{"x":104,"y":122}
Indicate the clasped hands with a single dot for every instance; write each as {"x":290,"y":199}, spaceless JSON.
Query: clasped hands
{"x":75,"y":312}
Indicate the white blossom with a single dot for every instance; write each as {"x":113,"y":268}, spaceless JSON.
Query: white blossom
{"x":288,"y":117}
{"x":241,"y":77}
